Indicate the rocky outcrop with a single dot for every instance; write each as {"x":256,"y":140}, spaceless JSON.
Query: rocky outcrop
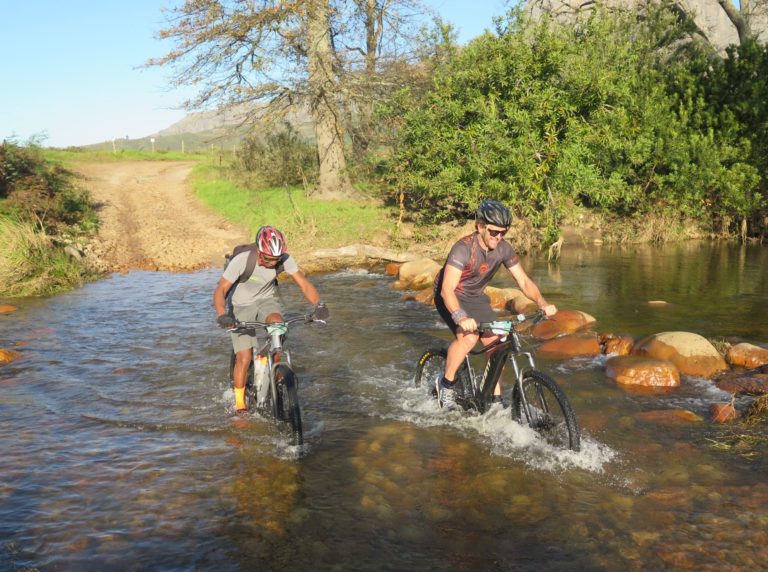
{"x":710,"y":18}
{"x":691,"y":353}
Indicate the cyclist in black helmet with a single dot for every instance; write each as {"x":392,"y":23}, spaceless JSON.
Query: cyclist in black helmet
{"x":460,"y":288}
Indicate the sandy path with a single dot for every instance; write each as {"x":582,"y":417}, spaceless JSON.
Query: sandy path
{"x":150,"y":220}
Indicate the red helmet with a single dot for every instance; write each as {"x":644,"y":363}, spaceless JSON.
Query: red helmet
{"x":270,"y":241}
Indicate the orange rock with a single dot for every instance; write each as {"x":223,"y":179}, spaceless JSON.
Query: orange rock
{"x":747,"y":355}
{"x":670,"y":416}
{"x":756,"y":384}
{"x":510,"y":299}
{"x":642,"y":371}
{"x":585,"y":344}
{"x":423,"y":296}
{"x":564,"y":322}
{"x":392,"y":269}
{"x":7,"y":356}
{"x":613,"y":344}
{"x":409,"y":270}
{"x":4,"y":309}
{"x":691,"y":353}
{"x":722,"y":412}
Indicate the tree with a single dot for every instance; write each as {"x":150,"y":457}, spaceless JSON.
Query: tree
{"x":266,"y":57}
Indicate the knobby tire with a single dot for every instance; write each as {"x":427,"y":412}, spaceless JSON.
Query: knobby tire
{"x":549,"y":412}
{"x":430,"y":369}
{"x":285,"y":401}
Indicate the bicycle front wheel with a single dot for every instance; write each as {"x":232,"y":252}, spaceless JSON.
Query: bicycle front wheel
{"x":285,"y":401}
{"x":544,"y":407}
{"x":429,"y":371}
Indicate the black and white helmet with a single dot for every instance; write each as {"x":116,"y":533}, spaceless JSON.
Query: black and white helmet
{"x":493,"y":212}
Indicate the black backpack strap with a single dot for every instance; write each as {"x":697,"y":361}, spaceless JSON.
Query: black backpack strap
{"x":250,"y":265}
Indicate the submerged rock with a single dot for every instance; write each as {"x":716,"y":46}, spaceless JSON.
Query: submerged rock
{"x":7,"y":356}
{"x":585,"y":344}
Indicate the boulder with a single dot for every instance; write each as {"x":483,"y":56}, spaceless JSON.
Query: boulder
{"x":392,"y":269}
{"x":722,"y":412}
{"x":642,"y":371}
{"x":413,"y":268}
{"x":747,"y":355}
{"x":584,"y":344}
{"x":618,"y":345}
{"x":691,"y":353}
{"x":510,"y":300}
{"x":756,"y":384}
{"x":564,"y":322}
{"x":7,"y":356}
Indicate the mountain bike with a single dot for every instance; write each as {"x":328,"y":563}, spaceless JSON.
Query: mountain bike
{"x":537,"y":399}
{"x":277,"y":392}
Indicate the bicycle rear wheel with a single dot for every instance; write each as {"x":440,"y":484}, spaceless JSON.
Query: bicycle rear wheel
{"x":544,"y":406}
{"x":285,"y":401}
{"x":429,"y":371}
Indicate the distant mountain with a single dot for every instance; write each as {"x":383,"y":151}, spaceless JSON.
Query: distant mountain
{"x":206,"y":130}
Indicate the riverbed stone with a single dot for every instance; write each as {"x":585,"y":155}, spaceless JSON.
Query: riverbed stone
{"x":413,"y":268}
{"x":510,"y":300}
{"x":747,"y":355}
{"x":564,"y":322}
{"x":722,"y":412}
{"x":670,"y":416}
{"x":616,"y":344}
{"x":392,"y":269}
{"x":691,"y":353}
{"x":642,"y":371}
{"x":755,"y":384}
{"x":8,"y":356}
{"x":426,"y":296}
{"x":4,"y":309}
{"x":582,"y":344}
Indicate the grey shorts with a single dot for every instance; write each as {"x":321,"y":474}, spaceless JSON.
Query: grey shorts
{"x":257,"y":312}
{"x":477,"y":307}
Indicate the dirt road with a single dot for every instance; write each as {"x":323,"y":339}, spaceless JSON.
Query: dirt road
{"x":150,"y":219}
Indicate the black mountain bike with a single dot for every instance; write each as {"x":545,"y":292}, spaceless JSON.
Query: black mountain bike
{"x":537,"y":399}
{"x":277,"y":393}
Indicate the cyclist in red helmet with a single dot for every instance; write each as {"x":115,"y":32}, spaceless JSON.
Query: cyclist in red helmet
{"x":256,"y":298}
{"x":460,"y":296}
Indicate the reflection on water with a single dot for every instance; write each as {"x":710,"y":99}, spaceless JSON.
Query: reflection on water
{"x":120,"y":449}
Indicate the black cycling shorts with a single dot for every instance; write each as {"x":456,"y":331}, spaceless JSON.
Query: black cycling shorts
{"x":476,"y":307}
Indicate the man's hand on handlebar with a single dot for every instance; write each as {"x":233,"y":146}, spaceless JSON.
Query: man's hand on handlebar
{"x":467,"y":324}
{"x":549,"y":310}
{"x":226,"y":322}
{"x":321,"y":312}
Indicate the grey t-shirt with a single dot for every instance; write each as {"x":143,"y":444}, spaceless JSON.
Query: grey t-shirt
{"x":263,"y":282}
{"x":477,"y":265}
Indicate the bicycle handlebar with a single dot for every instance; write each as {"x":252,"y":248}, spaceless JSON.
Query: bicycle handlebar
{"x":508,"y":325}
{"x":305,"y":318}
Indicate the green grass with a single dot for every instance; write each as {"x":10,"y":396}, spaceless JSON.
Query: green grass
{"x":306,"y":222}
{"x":31,"y":265}
{"x":70,"y":155}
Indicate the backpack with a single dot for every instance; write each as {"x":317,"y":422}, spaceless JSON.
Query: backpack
{"x":250,"y":265}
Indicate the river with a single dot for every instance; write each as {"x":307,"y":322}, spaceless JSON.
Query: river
{"x":120,"y":450}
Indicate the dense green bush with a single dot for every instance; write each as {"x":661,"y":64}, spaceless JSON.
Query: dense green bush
{"x":547,"y":118}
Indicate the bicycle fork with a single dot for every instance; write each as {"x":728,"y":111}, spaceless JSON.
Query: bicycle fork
{"x":520,"y":370}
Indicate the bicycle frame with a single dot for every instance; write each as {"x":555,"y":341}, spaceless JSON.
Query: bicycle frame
{"x":506,"y":350}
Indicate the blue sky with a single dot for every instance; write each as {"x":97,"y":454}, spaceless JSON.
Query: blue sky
{"x":71,"y":69}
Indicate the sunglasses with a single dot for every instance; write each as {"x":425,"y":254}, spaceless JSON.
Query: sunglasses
{"x":270,"y":259}
{"x":497,"y":233}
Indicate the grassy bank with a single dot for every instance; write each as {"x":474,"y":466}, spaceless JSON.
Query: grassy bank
{"x":44,"y":221}
{"x":307,"y":223}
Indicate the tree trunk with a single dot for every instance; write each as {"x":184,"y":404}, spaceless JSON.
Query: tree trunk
{"x":334,"y":182}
